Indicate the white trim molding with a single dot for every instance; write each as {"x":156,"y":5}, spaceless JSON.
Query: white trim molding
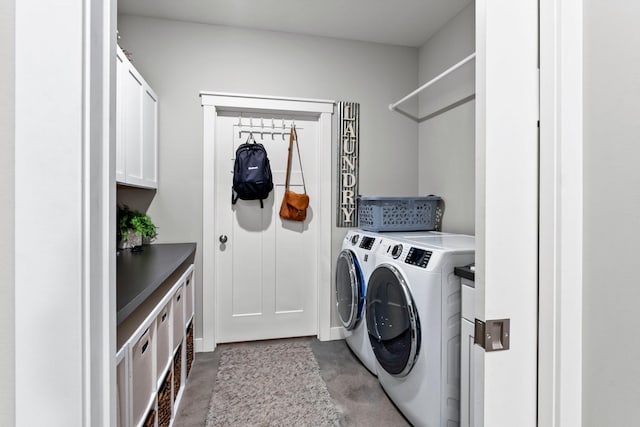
{"x":213,"y":103}
{"x":338,"y":333}
{"x":561,"y":219}
{"x":198,"y":345}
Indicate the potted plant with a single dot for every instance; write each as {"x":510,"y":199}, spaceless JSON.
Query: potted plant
{"x":135,"y":228}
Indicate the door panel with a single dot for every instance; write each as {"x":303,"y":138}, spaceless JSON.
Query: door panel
{"x":506,"y":278}
{"x":120,"y":114}
{"x":149,"y":139}
{"x":133,"y":90}
{"x":466,"y":374}
{"x":267,"y":275}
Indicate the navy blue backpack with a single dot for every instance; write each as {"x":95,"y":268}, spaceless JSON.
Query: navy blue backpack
{"x":251,"y":173}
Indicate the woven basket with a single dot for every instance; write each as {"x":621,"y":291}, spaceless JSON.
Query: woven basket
{"x":164,"y":401}
{"x":150,"y":421}
{"x":189,"y":347}
{"x":177,"y":371}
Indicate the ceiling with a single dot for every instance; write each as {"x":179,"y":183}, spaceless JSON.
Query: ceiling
{"x":396,"y":22}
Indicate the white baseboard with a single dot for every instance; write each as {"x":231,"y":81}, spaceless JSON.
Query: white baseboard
{"x":337,"y":333}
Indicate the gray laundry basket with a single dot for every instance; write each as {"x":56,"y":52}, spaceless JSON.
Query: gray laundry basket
{"x":400,"y":213}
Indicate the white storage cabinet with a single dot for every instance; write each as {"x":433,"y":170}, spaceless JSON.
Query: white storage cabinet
{"x":467,"y":365}
{"x":136,"y":127}
{"x":152,"y":364}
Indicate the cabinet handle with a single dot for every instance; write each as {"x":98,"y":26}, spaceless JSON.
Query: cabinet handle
{"x":164,"y":316}
{"x":144,"y":347}
{"x":178,"y":297}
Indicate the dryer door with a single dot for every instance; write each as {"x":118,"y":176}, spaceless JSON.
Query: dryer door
{"x":349,"y":289}
{"x":392,"y":320}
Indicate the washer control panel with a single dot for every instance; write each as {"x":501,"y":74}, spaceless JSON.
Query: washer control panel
{"x":367,"y":242}
{"x":418,"y":257}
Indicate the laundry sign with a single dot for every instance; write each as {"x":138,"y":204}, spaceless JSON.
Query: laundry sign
{"x":348,"y":149}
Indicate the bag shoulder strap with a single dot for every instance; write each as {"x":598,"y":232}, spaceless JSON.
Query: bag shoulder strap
{"x":293,"y":136}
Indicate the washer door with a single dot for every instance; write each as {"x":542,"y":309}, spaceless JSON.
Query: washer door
{"x":349,"y":289}
{"x":392,"y":320}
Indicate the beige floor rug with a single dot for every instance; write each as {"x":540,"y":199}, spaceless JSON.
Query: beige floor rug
{"x":270,"y":384}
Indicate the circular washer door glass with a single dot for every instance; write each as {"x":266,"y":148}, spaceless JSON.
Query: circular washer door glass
{"x":392,"y":321}
{"x":349,"y":289}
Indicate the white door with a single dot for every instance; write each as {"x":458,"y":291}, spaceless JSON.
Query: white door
{"x":507,"y":208}
{"x":266,"y":275}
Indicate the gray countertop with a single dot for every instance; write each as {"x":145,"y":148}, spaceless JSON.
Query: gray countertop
{"x":466,"y":272}
{"x":141,"y":273}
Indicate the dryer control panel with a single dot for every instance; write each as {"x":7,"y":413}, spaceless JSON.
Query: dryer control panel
{"x":418,"y":257}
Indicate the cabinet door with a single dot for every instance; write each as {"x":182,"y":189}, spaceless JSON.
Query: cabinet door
{"x":149,"y":138}
{"x":133,"y":96}
{"x":466,"y":374}
{"x":120,"y":150}
{"x":136,"y":127}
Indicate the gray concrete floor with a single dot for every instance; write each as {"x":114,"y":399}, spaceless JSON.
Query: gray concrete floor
{"x":355,"y":391}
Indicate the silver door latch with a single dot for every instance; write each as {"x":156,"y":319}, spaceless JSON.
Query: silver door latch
{"x":492,"y":335}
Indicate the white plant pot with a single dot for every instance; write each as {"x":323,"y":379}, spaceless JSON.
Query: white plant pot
{"x":133,"y":239}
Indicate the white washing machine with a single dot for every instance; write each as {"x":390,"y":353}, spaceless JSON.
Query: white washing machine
{"x":353,"y":268}
{"x":413,"y":321}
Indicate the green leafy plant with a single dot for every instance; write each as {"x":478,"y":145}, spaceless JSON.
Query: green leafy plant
{"x":137,"y":221}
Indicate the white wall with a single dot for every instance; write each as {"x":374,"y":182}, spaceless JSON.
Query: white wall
{"x":611,"y":349}
{"x":7,"y":206}
{"x":48,"y":214}
{"x":447,"y":141}
{"x":180,"y":59}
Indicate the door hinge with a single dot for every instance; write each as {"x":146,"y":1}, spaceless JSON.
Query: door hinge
{"x":492,"y":335}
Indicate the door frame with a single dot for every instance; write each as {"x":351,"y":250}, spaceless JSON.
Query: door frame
{"x":214,"y":102}
{"x":561,"y":213}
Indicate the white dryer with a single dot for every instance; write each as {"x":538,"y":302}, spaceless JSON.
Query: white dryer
{"x":413,"y":321}
{"x":353,"y":268}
